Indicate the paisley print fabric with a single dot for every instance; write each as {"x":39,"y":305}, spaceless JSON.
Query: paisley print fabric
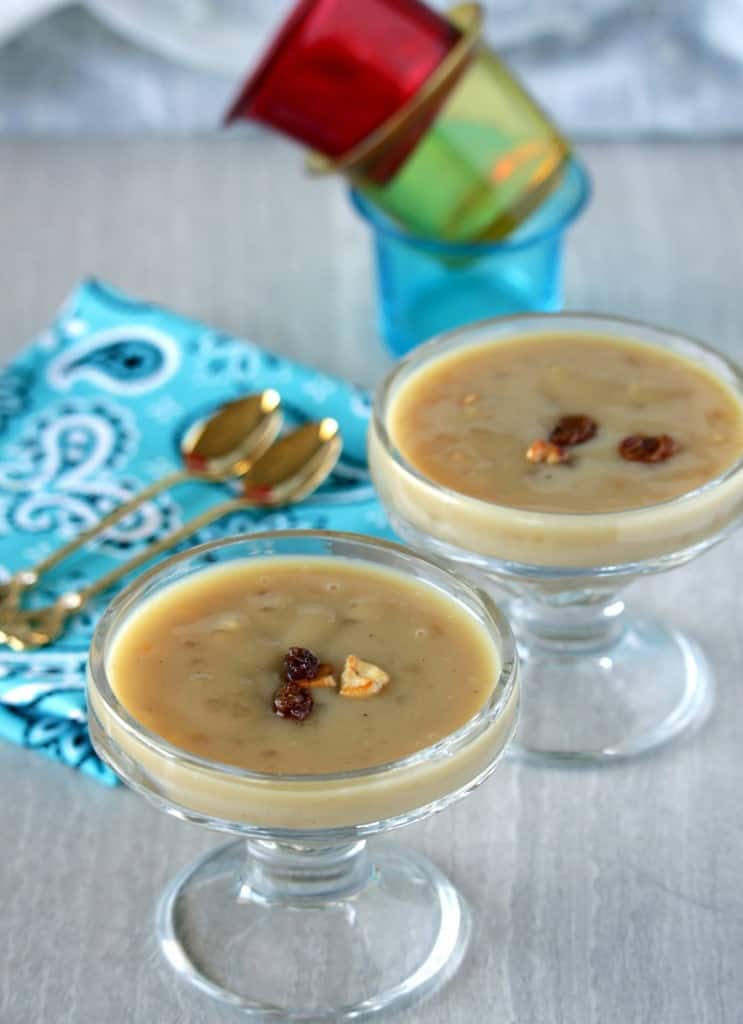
{"x":90,"y":413}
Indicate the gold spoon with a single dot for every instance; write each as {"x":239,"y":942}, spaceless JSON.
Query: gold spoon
{"x":292,"y":468}
{"x":216,"y":449}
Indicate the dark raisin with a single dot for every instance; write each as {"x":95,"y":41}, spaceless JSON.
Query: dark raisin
{"x":573,"y":430}
{"x":643,"y":448}
{"x":300,"y":663}
{"x":292,"y":701}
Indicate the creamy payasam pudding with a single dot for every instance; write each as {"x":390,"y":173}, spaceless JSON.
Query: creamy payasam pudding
{"x":304,"y":667}
{"x":562,"y":449}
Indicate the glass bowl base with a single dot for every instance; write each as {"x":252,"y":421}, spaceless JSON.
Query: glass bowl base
{"x":611,"y":703}
{"x":393,"y":940}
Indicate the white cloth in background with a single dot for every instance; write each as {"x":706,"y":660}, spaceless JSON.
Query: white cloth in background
{"x":601,"y":67}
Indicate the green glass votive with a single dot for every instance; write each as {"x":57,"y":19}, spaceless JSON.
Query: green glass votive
{"x":488,"y":160}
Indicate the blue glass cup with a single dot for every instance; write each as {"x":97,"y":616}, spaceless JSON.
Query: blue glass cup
{"x":425,"y":286}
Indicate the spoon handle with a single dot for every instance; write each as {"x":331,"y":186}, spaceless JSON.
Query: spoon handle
{"x":75,"y":600}
{"x":41,"y":626}
{"x":26,"y":578}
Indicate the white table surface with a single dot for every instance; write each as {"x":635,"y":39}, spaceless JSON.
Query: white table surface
{"x":607,"y":896}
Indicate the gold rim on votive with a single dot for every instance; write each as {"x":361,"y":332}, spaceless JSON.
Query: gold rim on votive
{"x":467,"y":17}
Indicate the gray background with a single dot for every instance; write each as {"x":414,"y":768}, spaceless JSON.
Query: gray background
{"x":602,"y":897}
{"x":605,"y":68}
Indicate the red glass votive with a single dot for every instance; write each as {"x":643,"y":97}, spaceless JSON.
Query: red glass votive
{"x":339,"y":68}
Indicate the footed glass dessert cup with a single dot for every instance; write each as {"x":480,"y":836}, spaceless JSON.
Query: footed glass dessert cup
{"x":297,"y":919}
{"x":599,"y":683}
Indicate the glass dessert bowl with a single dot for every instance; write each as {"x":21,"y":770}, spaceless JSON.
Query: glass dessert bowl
{"x":298,"y":920}
{"x":599,"y":683}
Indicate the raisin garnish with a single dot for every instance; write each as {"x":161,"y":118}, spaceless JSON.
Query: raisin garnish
{"x":572,"y":430}
{"x":644,"y":448}
{"x":293,"y":701}
{"x":300,"y":663}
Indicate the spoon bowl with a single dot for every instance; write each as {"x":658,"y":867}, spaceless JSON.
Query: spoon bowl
{"x":226,"y":443}
{"x":294,"y":466}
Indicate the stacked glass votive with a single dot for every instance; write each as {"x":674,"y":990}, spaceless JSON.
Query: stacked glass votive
{"x":466,"y":184}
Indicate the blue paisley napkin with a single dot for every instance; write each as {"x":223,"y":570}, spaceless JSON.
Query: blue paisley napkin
{"x":92,"y":411}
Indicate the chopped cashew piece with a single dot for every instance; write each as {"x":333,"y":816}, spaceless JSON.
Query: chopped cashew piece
{"x":362,"y":678}
{"x":326,"y":681}
{"x":546,"y":451}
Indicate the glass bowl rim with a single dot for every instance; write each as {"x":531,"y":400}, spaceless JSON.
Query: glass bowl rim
{"x":384,"y":225}
{"x":496,"y":623}
{"x":433,"y":346}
